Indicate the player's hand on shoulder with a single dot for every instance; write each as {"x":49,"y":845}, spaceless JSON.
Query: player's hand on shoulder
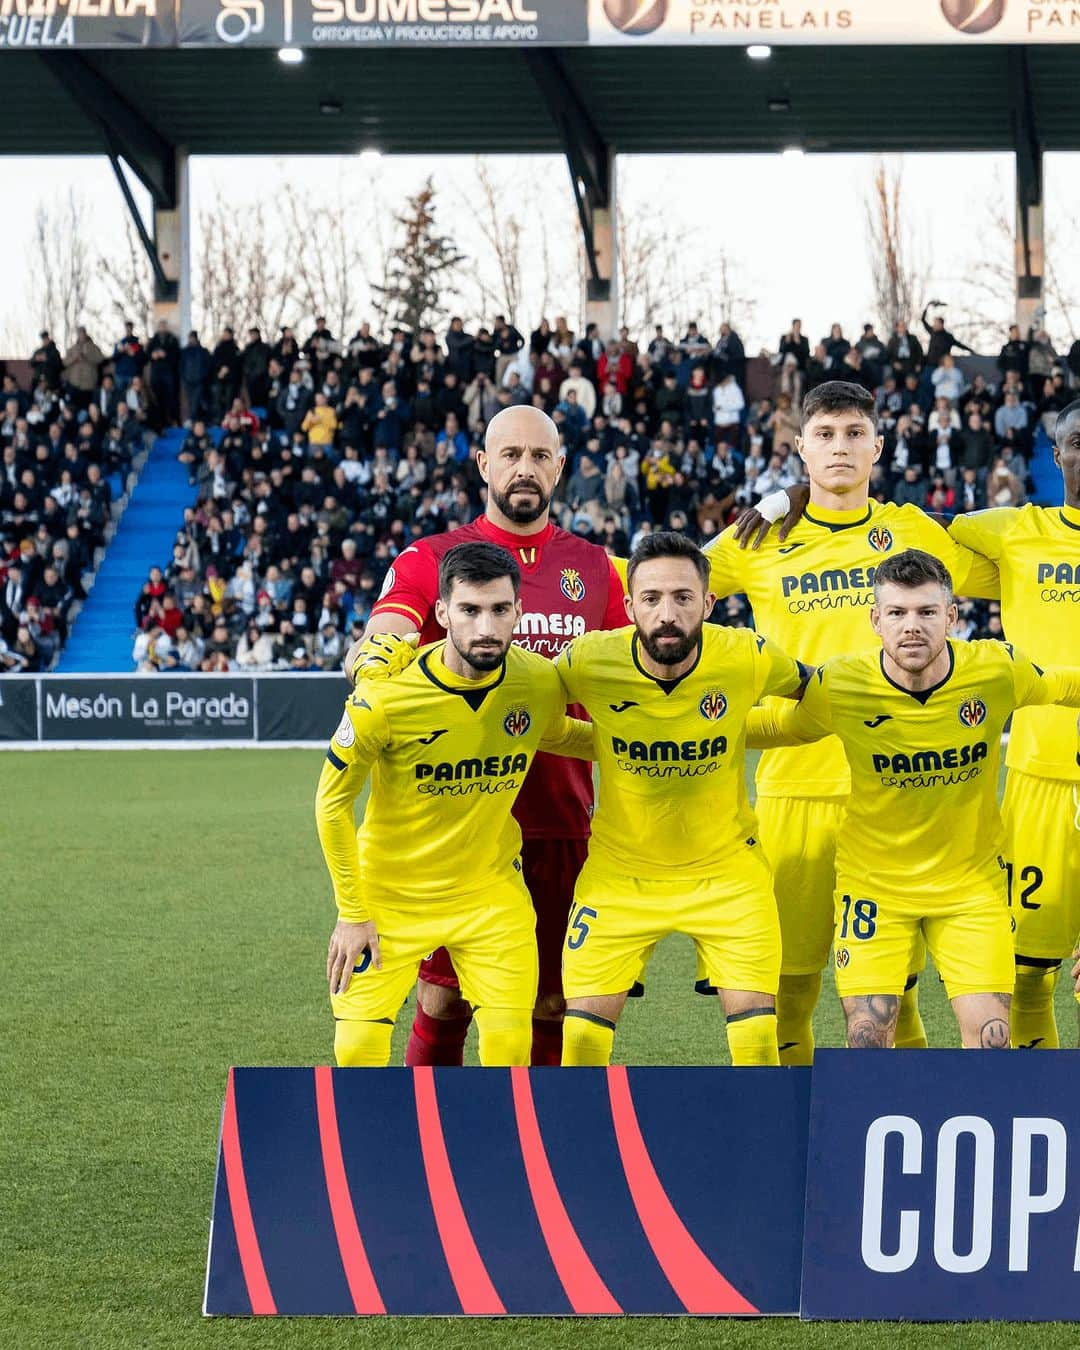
{"x":348,"y":944}
{"x":755,"y":522}
{"x":381,"y":656}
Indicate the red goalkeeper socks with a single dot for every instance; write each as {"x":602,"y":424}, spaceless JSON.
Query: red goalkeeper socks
{"x":438,"y":1042}
{"x":546,"y":1043}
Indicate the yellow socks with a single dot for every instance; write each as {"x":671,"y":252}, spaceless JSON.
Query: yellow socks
{"x":586,"y":1038}
{"x":505,"y":1036}
{"x":910,"y":1032}
{"x":751,"y":1037}
{"x":363,"y":1045}
{"x":795,"y":1004}
{"x":1032,"y":1024}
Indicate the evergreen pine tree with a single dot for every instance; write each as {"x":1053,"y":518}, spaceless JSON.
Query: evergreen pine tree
{"x":420,"y":269}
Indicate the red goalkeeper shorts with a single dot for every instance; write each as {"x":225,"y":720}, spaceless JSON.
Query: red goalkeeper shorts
{"x":549,"y":868}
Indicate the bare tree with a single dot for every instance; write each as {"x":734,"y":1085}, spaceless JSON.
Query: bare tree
{"x":327,"y":262}
{"x":898,"y":278}
{"x":61,"y":265}
{"x":245,"y":276}
{"x":666,"y":277}
{"x":127,"y":282}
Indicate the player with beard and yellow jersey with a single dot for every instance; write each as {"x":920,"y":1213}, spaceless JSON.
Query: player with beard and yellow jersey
{"x":812,"y":592}
{"x":919,"y":855}
{"x":1036,"y":550}
{"x":448,"y":745}
{"x":674,"y":846}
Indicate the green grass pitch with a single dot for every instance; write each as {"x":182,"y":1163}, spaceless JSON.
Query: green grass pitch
{"x":165,"y":915}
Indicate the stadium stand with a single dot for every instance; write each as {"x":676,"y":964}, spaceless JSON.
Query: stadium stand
{"x":302,"y":470}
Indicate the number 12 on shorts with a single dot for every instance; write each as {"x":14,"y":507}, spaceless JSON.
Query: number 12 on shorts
{"x":860,"y":917}
{"x":578,"y":930}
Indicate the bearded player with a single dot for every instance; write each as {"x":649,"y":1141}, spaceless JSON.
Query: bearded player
{"x":568,"y":587}
{"x":812,"y":593}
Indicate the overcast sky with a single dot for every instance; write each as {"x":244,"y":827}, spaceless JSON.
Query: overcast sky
{"x":792,"y":229}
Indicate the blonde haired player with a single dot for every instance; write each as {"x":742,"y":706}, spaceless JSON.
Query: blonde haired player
{"x":919,"y":855}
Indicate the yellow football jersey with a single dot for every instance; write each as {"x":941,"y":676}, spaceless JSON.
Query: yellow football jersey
{"x":447,"y":758}
{"x":923,"y":814}
{"x":672,"y":795}
{"x":1037,"y":552}
{"x":813,"y":594}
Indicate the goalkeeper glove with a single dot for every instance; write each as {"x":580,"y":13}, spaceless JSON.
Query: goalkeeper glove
{"x":384,"y":655}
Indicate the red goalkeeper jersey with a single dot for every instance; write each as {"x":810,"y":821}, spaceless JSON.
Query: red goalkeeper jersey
{"x":568,"y":587}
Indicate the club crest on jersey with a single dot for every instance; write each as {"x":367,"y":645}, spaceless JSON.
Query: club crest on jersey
{"x":713,"y":704}
{"x":843,"y":956}
{"x":517,"y":721}
{"x":972,"y":712}
{"x":571,"y":584}
{"x":880,"y":539}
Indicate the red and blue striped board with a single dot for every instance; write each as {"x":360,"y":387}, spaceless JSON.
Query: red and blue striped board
{"x":589,"y":1192}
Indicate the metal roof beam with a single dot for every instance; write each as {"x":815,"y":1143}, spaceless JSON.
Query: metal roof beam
{"x":1028,"y":149}
{"x":124,"y":130}
{"x":588,"y":155}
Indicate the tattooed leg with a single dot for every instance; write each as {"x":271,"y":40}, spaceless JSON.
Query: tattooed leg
{"x":984,"y":1020}
{"x":871,"y":1021}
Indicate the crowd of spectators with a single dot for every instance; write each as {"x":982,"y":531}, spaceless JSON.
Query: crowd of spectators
{"x":68,"y":437}
{"x":317,"y":462}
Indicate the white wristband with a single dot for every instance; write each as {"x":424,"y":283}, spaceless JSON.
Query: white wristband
{"x":774,"y":507}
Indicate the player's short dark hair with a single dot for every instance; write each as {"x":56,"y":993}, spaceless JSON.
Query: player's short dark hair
{"x":839,"y":396}
{"x":912,"y":568}
{"x":667,"y":544}
{"x":1063,"y":416}
{"x":476,"y":564}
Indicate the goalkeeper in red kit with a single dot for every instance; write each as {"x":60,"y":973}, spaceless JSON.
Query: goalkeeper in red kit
{"x":568,"y":587}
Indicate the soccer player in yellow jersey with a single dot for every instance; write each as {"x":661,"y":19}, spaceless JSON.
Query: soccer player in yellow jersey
{"x":674,"y":845}
{"x":435,"y":862}
{"x":812,"y":593}
{"x":919,"y":854}
{"x":1037,"y":552}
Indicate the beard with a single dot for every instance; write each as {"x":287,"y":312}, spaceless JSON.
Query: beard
{"x":669,"y":653}
{"x":525,"y":510}
{"x":481,"y":658}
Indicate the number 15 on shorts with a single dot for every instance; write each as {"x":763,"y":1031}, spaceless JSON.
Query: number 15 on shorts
{"x":578,"y":929}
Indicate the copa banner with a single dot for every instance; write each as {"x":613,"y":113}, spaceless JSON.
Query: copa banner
{"x":943,"y":1186}
{"x":381,"y":23}
{"x":828,"y":22}
{"x":99,"y":710}
{"x":596,"y":1192}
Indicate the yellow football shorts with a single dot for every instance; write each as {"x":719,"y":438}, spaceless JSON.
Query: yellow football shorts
{"x":491,"y":938}
{"x":798,"y":835}
{"x":616,"y":921}
{"x":1042,"y":826}
{"x":878,"y":936}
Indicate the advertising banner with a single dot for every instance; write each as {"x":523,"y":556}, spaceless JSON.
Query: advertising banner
{"x":18,"y":709}
{"x":943,"y":1186}
{"x":381,"y":23}
{"x":509,"y":1191}
{"x":299,"y":707}
{"x":829,"y":22}
{"x":160,"y":707}
{"x":63,"y":24}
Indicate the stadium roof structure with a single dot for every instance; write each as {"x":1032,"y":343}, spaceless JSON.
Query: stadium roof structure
{"x":153,"y":105}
